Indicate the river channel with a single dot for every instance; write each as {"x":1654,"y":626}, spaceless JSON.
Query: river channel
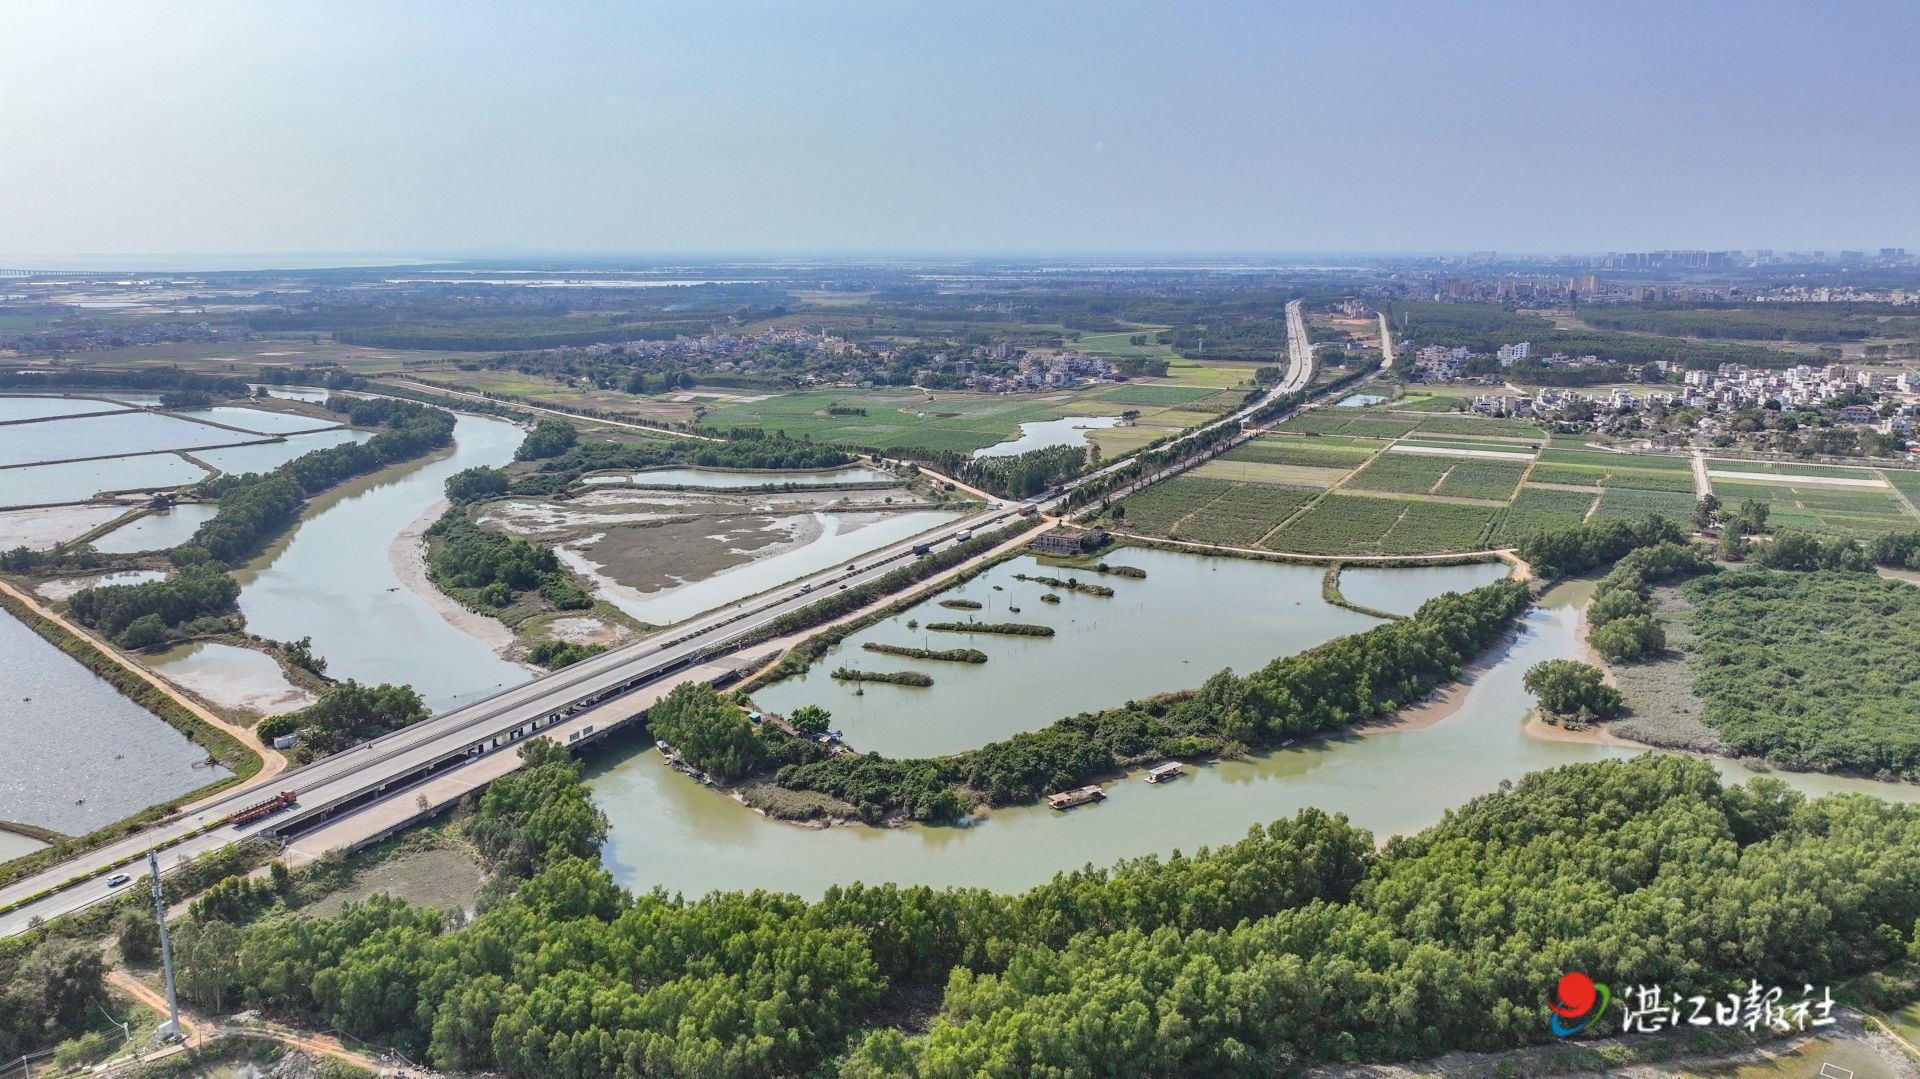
{"x":671,"y":833}
{"x":332,"y":579}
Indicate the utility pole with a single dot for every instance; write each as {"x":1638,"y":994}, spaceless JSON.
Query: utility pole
{"x":170,"y":1029}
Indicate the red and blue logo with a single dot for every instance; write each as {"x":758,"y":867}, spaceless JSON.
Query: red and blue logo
{"x":1577,"y":1001}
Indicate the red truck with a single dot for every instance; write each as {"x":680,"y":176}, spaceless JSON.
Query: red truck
{"x":262,"y":810}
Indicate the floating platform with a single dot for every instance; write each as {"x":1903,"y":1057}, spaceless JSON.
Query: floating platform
{"x":1069,"y":799}
{"x":1164,"y":772}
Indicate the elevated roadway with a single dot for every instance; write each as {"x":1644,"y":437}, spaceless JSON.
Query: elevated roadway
{"x":380,"y":769}
{"x":358,"y":777}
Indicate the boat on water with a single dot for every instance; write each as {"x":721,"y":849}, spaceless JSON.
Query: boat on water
{"x":1164,"y":772}
{"x":1080,"y":796}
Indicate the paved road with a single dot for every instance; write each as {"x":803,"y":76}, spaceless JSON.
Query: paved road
{"x":1386,"y":344}
{"x":1299,"y":350}
{"x":450,"y":736}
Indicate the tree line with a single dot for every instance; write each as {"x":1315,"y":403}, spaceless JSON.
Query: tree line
{"x":1333,"y":685}
{"x":1301,"y":944}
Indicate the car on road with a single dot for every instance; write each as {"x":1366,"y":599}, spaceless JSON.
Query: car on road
{"x":851,"y":567}
{"x":806,"y":588}
{"x":117,"y":880}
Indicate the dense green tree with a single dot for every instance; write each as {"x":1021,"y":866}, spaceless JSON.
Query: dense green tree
{"x":473,"y":484}
{"x":550,"y":439}
{"x":709,"y":730}
{"x":810,"y":719}
{"x":1568,"y":687}
{"x":1624,"y":640}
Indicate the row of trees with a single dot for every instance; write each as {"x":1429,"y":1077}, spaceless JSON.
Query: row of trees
{"x":1338,"y":683}
{"x":255,"y":507}
{"x":1302,"y":944}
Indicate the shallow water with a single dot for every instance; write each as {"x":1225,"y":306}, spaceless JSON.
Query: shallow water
{"x":45,"y":528}
{"x":102,"y":436}
{"x":13,"y":845}
{"x":231,"y":677}
{"x":77,"y":481}
{"x":79,"y":755}
{"x":159,"y":530}
{"x":31,"y":407}
{"x":1189,"y":618}
{"x":267,"y":456}
{"x":258,"y":419}
{"x":66,"y":586}
{"x":332,"y":579}
{"x":1402,"y":591}
{"x":1038,"y":435}
{"x":1359,"y":400}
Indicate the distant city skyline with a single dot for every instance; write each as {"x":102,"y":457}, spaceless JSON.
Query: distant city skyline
{"x":868,"y":128}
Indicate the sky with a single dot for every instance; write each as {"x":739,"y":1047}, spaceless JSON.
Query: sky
{"x":963,"y":126}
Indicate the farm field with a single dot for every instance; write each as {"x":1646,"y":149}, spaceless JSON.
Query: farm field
{"x":1792,"y":468}
{"x":1627,"y":503}
{"x":1842,"y":511}
{"x":1402,"y":472}
{"x":1906,"y":481}
{"x":1541,"y":509}
{"x":1597,"y":468}
{"x":1353,"y":524}
{"x":1480,"y":477}
{"x":964,"y":422}
{"x":1205,"y":510}
{"x":1242,"y":471}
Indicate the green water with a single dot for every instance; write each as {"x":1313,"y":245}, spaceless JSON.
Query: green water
{"x":670,"y":832}
{"x":1190,"y":617}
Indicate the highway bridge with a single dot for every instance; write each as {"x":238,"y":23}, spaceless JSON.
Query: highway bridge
{"x":381,"y":769}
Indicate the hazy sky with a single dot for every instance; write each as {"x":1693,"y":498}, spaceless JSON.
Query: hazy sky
{"x":966,"y":125}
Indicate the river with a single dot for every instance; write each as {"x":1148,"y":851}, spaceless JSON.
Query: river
{"x":669,"y":832}
{"x":331,"y":579}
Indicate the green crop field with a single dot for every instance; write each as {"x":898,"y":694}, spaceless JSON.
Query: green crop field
{"x":1407,"y":473}
{"x":1340,"y":524}
{"x":1540,"y":509}
{"x":1631,"y":504}
{"x":1482,"y":477}
{"x":1155,"y":395}
{"x":1351,"y":421}
{"x":1479,"y":425}
{"x":1644,"y":462}
{"x":1239,"y":517}
{"x":1906,"y":481}
{"x":1792,"y":468}
{"x":961,"y":422}
{"x":1322,"y":453}
{"x":1156,"y":510}
{"x":1462,"y":442}
{"x":1439,"y":526}
{"x":1841,"y":511}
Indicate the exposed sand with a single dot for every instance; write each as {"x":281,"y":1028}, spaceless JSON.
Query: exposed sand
{"x":580,"y":629}
{"x":407,"y":556}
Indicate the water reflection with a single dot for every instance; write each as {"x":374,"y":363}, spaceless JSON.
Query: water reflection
{"x":669,"y":832}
